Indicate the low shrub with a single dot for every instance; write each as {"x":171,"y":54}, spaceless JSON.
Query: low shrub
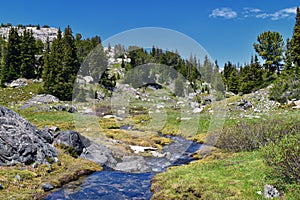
{"x":250,"y":136}
{"x":284,"y":158}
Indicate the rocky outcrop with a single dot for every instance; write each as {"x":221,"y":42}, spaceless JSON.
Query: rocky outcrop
{"x":244,"y":104}
{"x":47,"y":102}
{"x":86,"y":148}
{"x":22,"y":142}
{"x":20,"y":82}
{"x":39,"y":33}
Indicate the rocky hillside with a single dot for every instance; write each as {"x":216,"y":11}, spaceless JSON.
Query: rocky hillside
{"x":39,"y":33}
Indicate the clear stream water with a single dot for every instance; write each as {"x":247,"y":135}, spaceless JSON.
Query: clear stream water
{"x":117,"y":185}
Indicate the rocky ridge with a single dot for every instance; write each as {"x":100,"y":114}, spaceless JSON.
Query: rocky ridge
{"x":39,"y":34}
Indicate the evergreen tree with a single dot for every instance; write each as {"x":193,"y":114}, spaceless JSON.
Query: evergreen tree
{"x":257,"y":74}
{"x":288,"y":85}
{"x":217,"y":83}
{"x":11,"y":57}
{"x":46,"y":75}
{"x":207,"y":70}
{"x":270,"y":48}
{"x":228,"y":68}
{"x":70,"y":63}
{"x":28,"y":51}
{"x":61,"y":66}
{"x":233,"y":82}
{"x":246,"y":81}
{"x":295,"y":46}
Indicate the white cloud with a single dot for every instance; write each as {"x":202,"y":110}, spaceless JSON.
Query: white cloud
{"x":226,"y":13}
{"x":250,"y":12}
{"x":281,"y":14}
{"x":247,"y":12}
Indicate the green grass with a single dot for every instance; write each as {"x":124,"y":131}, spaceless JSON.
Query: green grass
{"x":63,"y":120}
{"x":12,"y":96}
{"x":234,"y":176}
{"x":228,"y":175}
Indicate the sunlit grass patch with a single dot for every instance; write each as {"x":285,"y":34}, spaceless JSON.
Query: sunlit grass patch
{"x":239,"y":176}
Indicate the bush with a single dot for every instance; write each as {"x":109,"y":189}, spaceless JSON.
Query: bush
{"x":250,"y":136}
{"x":284,"y":90}
{"x":284,"y":158}
{"x":69,"y":150}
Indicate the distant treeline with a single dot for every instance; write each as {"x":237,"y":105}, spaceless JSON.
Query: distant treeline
{"x":57,"y":62}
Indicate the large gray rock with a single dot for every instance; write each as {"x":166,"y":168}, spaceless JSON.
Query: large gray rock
{"x":86,"y":148}
{"x":47,"y":102}
{"x":22,"y":142}
{"x":44,"y":98}
{"x":70,"y":138}
{"x":133,"y":164}
{"x":99,"y":154}
{"x":40,"y":101}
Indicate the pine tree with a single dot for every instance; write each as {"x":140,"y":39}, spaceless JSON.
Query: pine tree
{"x":295,"y":46}
{"x":11,"y":57}
{"x":52,"y":68}
{"x":46,"y":76}
{"x":70,"y":63}
{"x":288,"y":59}
{"x":217,"y":82}
{"x":233,"y":82}
{"x":288,"y":85}
{"x":61,"y":66}
{"x":270,"y":48}
{"x":257,"y":74}
{"x":246,"y":80}
{"x":207,"y":70}
{"x":28,"y":51}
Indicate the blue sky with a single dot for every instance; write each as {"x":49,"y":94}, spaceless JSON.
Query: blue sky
{"x":225,"y":28}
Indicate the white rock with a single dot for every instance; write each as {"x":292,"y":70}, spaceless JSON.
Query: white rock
{"x":296,"y":107}
{"x":297,"y":103}
{"x":88,"y":79}
{"x":157,"y":154}
{"x":194,"y":104}
{"x":138,"y":149}
{"x":197,"y":110}
{"x":108,"y":116}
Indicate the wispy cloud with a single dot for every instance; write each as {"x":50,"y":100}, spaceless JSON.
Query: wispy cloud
{"x":226,"y":13}
{"x":250,"y":12}
{"x":281,"y":14}
{"x":247,"y":12}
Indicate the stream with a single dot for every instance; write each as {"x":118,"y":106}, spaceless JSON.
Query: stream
{"x":117,"y":185}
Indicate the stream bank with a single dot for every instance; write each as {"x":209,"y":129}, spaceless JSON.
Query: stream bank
{"x":113,"y":184}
